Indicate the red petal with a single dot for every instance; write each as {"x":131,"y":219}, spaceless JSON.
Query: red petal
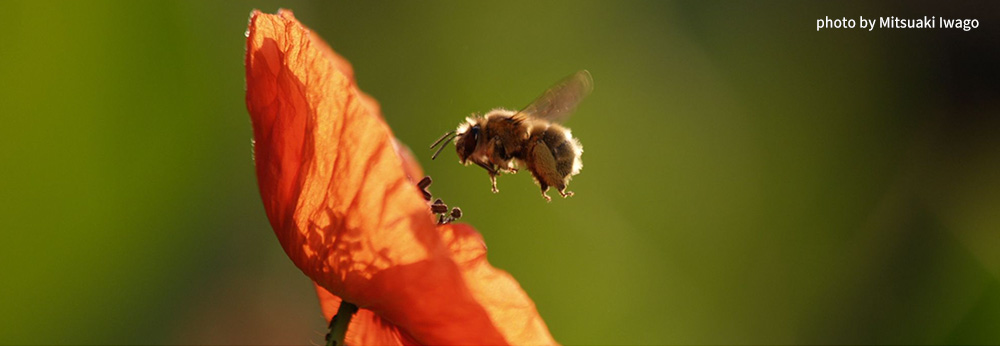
{"x":509,"y":307}
{"x":337,"y":193}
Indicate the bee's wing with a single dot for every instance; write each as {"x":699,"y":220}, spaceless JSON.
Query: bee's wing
{"x":557,"y":103}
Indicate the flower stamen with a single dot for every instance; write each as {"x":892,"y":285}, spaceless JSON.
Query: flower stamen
{"x":438,"y":207}
{"x":422,"y":185}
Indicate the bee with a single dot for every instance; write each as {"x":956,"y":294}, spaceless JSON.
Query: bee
{"x":501,"y":141}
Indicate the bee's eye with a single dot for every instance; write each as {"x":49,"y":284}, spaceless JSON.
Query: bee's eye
{"x":468,"y":142}
{"x":474,"y":131}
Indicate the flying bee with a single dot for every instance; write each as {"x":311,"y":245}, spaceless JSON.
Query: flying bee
{"x":501,"y":141}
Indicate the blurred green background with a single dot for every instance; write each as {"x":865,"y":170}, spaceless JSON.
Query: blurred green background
{"x":746,"y":178}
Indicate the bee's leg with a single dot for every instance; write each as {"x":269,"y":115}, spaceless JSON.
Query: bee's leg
{"x":493,"y":181}
{"x":510,"y":166}
{"x":561,"y":187}
{"x":492,"y":170}
{"x":545,"y":188}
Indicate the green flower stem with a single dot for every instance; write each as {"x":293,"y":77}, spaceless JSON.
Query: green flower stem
{"x":339,"y":323}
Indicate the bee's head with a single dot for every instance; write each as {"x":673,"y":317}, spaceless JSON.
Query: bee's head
{"x":466,"y":137}
{"x":465,"y":142}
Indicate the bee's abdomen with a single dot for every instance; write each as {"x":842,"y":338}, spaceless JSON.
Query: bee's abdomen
{"x":562,"y":146}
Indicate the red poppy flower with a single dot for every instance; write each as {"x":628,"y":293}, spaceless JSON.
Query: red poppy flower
{"x":340,"y":195}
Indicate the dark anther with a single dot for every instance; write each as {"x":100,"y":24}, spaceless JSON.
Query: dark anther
{"x":424,"y":183}
{"x":439,"y":207}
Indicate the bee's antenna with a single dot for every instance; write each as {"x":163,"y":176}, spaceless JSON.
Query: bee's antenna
{"x":444,"y":143}
{"x":442,"y":138}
